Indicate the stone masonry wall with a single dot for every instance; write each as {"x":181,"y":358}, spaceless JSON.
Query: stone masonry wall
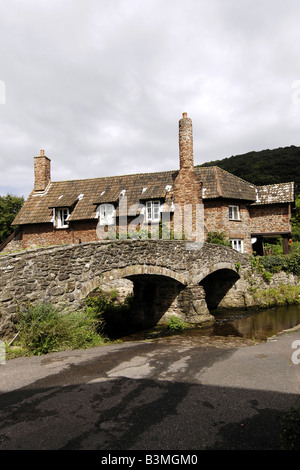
{"x":267,"y":219}
{"x":216,"y":219}
{"x":246,"y":292}
{"x":65,"y":275}
{"x":36,"y":235}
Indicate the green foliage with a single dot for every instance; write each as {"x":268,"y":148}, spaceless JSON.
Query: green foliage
{"x":43,"y":328}
{"x":273,"y":246}
{"x":288,"y":263}
{"x":237,"y":266}
{"x":115,"y":316}
{"x":265,"y":167}
{"x":175,"y":324}
{"x":9,"y":207}
{"x":296,"y":221}
{"x":218,"y":238}
{"x":267,"y":276}
{"x":275,"y":263}
{"x":284,"y":295}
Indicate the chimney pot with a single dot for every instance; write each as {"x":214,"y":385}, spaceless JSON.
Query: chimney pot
{"x":184,"y":115}
{"x":42,"y":153}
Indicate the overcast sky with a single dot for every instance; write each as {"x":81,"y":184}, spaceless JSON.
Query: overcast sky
{"x":100,"y":85}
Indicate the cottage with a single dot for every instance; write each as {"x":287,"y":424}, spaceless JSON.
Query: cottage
{"x":68,"y":212}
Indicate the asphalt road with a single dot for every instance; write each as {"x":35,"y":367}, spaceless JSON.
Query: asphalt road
{"x":151,"y":395}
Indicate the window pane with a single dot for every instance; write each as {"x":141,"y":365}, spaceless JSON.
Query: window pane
{"x":64,"y":216}
{"x":237,"y":244}
{"x":156,"y":210}
{"x":61,"y":216}
{"x":234,"y":212}
{"x":107,"y":213}
{"x":149,"y":210}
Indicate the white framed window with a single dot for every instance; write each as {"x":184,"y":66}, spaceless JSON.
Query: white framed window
{"x":106,"y":214}
{"x":237,"y":244}
{"x":152,"y":211}
{"x":234,"y":213}
{"x":61,"y":217}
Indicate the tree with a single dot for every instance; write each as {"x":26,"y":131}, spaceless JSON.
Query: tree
{"x":9,"y":207}
{"x":296,"y":221}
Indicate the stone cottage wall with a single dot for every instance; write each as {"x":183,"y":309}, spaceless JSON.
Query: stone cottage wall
{"x":270,"y":218}
{"x":216,"y":219}
{"x":46,"y":235}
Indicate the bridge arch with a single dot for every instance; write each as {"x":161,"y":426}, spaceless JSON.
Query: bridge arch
{"x":155,"y":291}
{"x":64,"y":275}
{"x":144,"y":269}
{"x":217,"y":284}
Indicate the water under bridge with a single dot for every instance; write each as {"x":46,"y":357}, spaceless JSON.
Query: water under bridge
{"x":168,"y":276}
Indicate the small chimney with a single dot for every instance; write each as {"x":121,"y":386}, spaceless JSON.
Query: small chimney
{"x":42,"y":171}
{"x":186,"y":156}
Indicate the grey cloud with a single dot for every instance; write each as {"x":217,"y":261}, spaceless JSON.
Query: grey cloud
{"x":100,"y":86}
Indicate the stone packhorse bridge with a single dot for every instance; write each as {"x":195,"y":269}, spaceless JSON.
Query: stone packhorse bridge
{"x":168,"y":277}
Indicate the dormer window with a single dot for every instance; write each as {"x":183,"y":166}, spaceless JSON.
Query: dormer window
{"x":106,"y":214}
{"x":61,"y":217}
{"x":152,"y":211}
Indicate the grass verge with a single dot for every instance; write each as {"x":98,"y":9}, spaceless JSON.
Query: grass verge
{"x":43,"y":329}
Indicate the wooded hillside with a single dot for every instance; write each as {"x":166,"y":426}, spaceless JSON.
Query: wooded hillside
{"x":264,"y":167}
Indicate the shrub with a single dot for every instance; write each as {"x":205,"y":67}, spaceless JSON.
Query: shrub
{"x":176,"y":324}
{"x":38,"y":329}
{"x":218,"y":238}
{"x":276,"y":263}
{"x":43,"y":328}
{"x":284,"y":295}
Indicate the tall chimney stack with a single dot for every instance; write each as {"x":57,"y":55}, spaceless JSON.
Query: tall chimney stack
{"x":42,"y":171}
{"x":186,"y":154}
{"x":187,"y":185}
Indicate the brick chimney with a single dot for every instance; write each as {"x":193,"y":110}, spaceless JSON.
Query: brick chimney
{"x":186,"y":155}
{"x":187,"y":185}
{"x":42,"y":172}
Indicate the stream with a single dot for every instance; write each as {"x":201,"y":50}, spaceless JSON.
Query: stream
{"x":231,"y":328}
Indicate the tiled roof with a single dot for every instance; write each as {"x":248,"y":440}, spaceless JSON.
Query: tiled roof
{"x":220,"y":183}
{"x":85,"y":195}
{"x":275,"y":193}
{"x":38,"y":208}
